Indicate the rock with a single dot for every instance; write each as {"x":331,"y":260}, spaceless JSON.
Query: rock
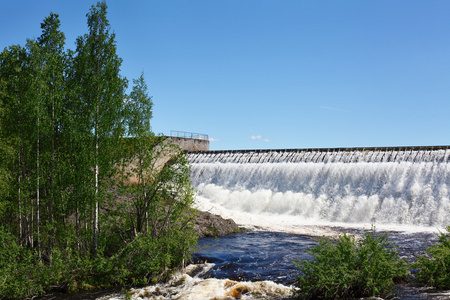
{"x":207,"y":224}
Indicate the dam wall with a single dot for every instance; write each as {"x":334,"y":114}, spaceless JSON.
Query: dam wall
{"x":190,"y":145}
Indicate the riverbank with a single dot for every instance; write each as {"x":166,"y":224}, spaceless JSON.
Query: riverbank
{"x":255,"y":265}
{"x":205,"y":225}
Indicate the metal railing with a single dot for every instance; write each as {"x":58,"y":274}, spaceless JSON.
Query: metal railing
{"x":189,"y":135}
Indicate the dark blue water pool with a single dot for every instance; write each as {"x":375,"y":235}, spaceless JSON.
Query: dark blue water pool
{"x":254,"y":256}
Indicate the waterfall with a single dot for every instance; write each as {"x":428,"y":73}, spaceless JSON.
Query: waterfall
{"x":402,"y":186}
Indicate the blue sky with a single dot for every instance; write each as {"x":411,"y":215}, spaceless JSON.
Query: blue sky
{"x":256,"y":74}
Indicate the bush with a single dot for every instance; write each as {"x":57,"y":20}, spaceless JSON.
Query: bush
{"x":347,"y":269}
{"x":20,"y":275}
{"x":434,"y":269}
{"x":148,"y":259}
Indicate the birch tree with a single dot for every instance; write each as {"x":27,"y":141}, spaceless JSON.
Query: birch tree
{"x":138,"y":114}
{"x":35,"y":97}
{"x":6,"y":154}
{"x":19,"y":124}
{"x":162,"y":193}
{"x":101,"y":96}
{"x":52,"y":77}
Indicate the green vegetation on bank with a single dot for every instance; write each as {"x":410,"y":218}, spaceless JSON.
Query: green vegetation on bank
{"x":89,"y":196}
{"x":347,"y":268}
{"x":434,"y":268}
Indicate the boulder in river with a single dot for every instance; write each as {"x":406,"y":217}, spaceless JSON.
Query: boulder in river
{"x":207,"y":225}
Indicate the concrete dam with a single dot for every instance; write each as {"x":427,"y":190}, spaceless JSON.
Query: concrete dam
{"x":404,"y":186}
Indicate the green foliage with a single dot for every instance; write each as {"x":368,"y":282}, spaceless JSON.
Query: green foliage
{"x":139,"y":109}
{"x":99,"y":106}
{"x":147,"y":259}
{"x":347,"y":268}
{"x":141,"y":261}
{"x":434,"y":268}
{"x":70,"y":142}
{"x":21,"y":272}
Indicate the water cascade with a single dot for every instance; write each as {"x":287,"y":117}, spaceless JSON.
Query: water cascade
{"x":407,"y":186}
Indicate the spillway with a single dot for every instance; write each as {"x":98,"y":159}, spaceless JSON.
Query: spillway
{"x":398,"y":185}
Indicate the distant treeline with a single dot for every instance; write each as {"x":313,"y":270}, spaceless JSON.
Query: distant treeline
{"x":67,"y":218}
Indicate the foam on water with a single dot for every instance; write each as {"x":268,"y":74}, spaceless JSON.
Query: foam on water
{"x":187,"y":285}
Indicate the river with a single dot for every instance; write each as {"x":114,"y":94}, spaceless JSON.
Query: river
{"x":289,"y":198}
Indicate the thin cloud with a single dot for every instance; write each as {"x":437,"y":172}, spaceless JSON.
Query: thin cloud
{"x":213,"y":140}
{"x":258,"y":137}
{"x":333,"y":108}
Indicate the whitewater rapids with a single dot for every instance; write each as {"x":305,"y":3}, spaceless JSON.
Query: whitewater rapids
{"x":187,"y":285}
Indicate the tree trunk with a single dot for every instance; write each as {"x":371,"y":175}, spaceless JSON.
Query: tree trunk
{"x":38,"y":242}
{"x":95,"y":242}
{"x":19,"y":182}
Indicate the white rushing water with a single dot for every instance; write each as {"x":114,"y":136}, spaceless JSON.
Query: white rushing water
{"x":407,"y":189}
{"x":187,"y":286}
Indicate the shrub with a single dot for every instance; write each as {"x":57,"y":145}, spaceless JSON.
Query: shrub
{"x":17,"y":276}
{"x":346,"y":268}
{"x":148,"y":258}
{"x":434,"y":268}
